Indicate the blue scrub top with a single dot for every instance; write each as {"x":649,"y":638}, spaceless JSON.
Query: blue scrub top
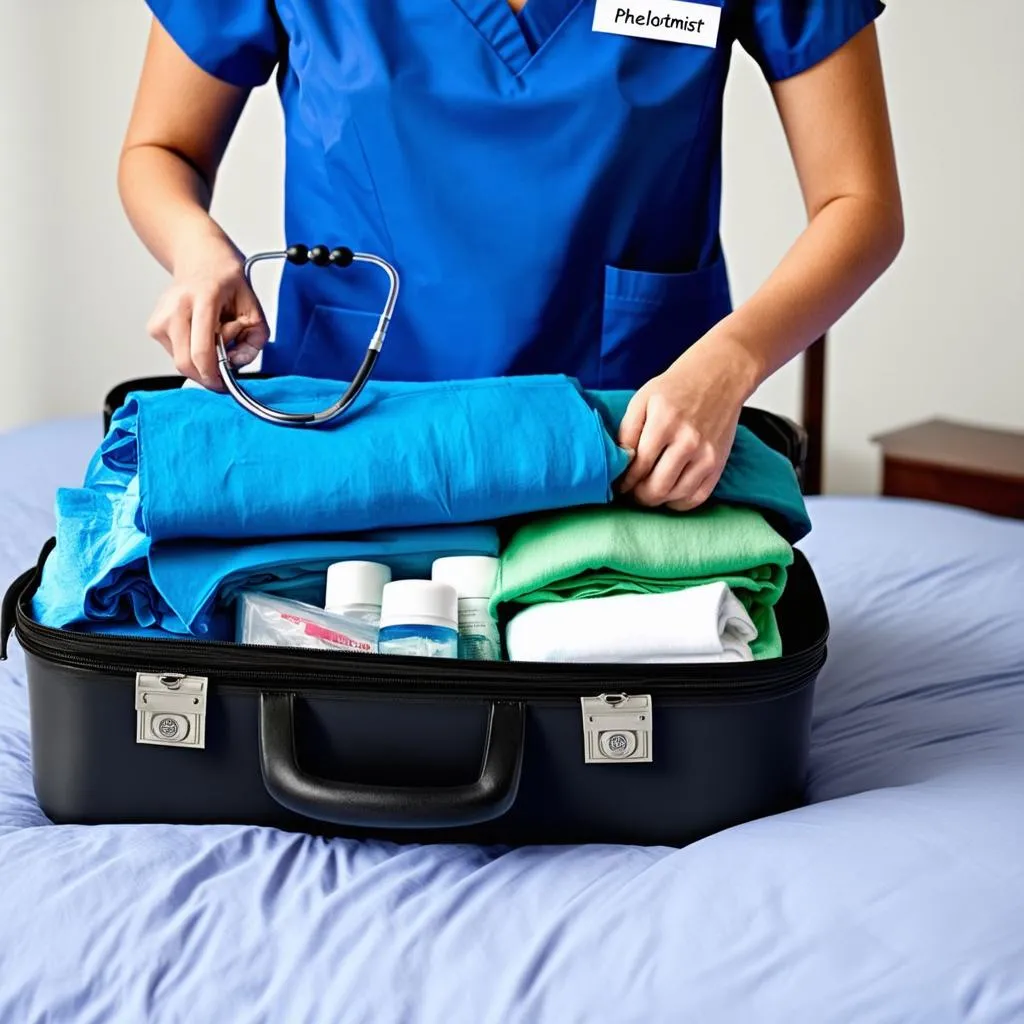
{"x":549,"y":194}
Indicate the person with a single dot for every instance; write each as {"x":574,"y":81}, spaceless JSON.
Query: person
{"x":545,"y":175}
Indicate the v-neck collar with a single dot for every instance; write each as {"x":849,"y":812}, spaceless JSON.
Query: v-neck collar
{"x":516,"y":43}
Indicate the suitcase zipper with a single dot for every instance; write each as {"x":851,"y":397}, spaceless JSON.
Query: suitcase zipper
{"x":316,"y":669}
{"x":230,"y":662}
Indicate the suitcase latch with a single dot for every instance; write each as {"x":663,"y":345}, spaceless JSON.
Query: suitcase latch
{"x":170,"y":709}
{"x":617,"y":727}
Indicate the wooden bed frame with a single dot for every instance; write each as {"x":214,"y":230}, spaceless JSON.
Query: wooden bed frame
{"x":812,"y":413}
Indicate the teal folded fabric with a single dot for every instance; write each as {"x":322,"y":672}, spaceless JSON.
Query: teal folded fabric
{"x":756,"y":475}
{"x":404,"y":455}
{"x":106,"y":575}
{"x":598,"y":552}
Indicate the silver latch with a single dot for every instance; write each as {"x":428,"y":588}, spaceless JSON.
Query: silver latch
{"x":617,"y":727}
{"x":170,"y":709}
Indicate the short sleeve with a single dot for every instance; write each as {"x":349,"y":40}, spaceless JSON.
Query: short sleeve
{"x":786,"y":37}
{"x":237,"y":41}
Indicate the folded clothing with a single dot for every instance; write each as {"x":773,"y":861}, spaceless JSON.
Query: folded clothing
{"x":404,"y":455}
{"x":190,"y":498}
{"x":755,"y":475}
{"x":698,"y":625}
{"x":105,"y":574}
{"x":598,"y":552}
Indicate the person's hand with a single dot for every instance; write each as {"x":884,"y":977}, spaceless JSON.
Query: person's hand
{"x":209,"y":296}
{"x":682,"y":425}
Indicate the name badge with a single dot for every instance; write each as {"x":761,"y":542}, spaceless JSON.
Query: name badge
{"x":672,"y":21}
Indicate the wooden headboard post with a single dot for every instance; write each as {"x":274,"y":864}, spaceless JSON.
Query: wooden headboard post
{"x":813,"y":414}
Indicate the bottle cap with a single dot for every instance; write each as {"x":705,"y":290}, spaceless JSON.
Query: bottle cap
{"x":470,"y":575}
{"x":419,"y":603}
{"x":350,"y":583}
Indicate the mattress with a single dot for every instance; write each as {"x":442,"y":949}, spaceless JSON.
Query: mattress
{"x":897,"y":894}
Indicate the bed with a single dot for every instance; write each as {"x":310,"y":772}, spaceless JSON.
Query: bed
{"x":897,"y":894}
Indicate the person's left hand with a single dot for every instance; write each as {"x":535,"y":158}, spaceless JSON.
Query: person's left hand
{"x":682,"y":425}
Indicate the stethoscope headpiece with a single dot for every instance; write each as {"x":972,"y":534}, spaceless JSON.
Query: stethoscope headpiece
{"x":319,"y":256}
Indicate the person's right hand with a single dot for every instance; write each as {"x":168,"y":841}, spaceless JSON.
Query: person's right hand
{"x":209,"y":296}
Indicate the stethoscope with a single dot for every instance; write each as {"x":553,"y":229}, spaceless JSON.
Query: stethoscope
{"x":318,"y":256}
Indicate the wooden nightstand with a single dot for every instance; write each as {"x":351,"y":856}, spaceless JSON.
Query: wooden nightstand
{"x":957,"y":464}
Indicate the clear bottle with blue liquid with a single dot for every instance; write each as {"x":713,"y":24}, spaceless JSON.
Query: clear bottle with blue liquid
{"x":419,"y":619}
{"x":474,"y":578}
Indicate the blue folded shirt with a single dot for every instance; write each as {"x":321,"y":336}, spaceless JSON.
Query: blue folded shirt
{"x":106,"y":575}
{"x":404,"y":455}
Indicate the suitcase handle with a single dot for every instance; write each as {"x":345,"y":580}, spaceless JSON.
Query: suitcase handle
{"x":362,"y":806}
{"x":8,"y":615}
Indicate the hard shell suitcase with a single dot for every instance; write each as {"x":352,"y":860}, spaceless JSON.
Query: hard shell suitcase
{"x":415,"y":750}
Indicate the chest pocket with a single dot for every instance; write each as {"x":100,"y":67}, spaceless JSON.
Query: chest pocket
{"x":648,"y":320}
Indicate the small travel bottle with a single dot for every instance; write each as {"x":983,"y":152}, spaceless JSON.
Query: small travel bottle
{"x":474,"y":578}
{"x":355,"y":589}
{"x":420,"y":619}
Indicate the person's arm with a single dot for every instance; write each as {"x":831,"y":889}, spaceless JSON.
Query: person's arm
{"x":180,"y":126}
{"x":682,"y":424}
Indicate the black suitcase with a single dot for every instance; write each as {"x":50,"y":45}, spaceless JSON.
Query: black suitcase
{"x":131,"y":730}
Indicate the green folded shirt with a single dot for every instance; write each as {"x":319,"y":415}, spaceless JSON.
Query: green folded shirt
{"x":596,"y":552}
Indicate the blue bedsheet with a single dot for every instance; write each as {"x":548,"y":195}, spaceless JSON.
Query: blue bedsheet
{"x":897,"y":896}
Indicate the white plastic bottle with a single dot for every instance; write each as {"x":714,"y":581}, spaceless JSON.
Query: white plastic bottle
{"x":420,"y":619}
{"x":474,"y":578}
{"x":355,"y":589}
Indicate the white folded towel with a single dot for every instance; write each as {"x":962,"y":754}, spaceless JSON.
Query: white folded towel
{"x":701,"y":624}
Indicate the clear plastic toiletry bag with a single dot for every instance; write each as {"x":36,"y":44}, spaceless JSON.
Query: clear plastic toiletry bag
{"x":280,"y":622}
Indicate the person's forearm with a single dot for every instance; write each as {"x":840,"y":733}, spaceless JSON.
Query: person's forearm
{"x":845,"y":248}
{"x":167,"y":202}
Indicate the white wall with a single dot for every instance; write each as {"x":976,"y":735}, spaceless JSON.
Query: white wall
{"x":941,"y":334}
{"x":73,"y":322}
